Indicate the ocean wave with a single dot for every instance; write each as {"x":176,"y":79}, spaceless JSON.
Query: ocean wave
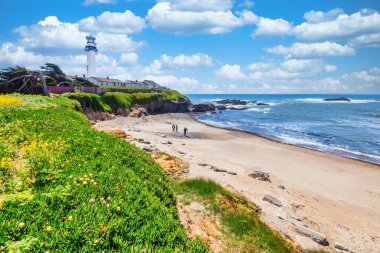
{"x":321,"y":100}
{"x":256,"y":109}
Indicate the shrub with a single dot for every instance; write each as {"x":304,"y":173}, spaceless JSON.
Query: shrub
{"x":118,"y":100}
{"x":89,"y":100}
{"x":173,"y":95}
{"x":141,"y":98}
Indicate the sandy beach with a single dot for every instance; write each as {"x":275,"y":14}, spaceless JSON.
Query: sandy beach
{"x":335,"y":196}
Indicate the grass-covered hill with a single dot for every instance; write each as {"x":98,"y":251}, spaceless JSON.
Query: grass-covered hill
{"x":69,"y":188}
{"x":65,"y":187}
{"x":165,"y":101}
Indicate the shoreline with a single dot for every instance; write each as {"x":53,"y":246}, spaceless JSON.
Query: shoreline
{"x":333,"y":195}
{"x":192,"y":115}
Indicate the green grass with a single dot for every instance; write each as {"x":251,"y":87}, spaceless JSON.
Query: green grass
{"x":141,"y":98}
{"x":53,"y":165}
{"x":118,"y":100}
{"x":241,"y":226}
{"x":89,"y":100}
{"x":173,"y":95}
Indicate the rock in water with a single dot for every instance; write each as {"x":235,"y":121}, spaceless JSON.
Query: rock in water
{"x":232,"y":101}
{"x":206,"y":107}
{"x":262,"y":104}
{"x":272,"y":200}
{"x":338,"y":99}
{"x":260,"y":175}
{"x":340,"y":246}
{"x":314,"y":235}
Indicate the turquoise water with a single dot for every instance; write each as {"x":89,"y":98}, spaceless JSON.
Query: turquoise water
{"x":350,"y":129}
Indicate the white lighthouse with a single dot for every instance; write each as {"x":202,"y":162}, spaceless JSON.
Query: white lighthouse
{"x":91,"y":52}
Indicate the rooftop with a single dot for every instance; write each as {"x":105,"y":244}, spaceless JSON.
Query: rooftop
{"x":109,"y":80}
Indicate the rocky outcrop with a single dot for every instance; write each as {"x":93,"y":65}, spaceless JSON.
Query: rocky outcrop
{"x":221,"y":107}
{"x":205,"y":107}
{"x":272,"y":200}
{"x":338,"y":99}
{"x":314,"y":235}
{"x":260,"y":175}
{"x":234,"y":102}
{"x":160,"y":106}
{"x":97,"y":115}
{"x":340,"y":246}
{"x":137,"y":112}
{"x":261,"y":104}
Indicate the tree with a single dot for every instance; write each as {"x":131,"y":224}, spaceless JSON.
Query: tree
{"x":53,"y":71}
{"x":10,"y":73}
{"x":19,"y":79}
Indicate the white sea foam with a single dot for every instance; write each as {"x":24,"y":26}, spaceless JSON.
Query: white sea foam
{"x":256,"y":109}
{"x":321,"y":100}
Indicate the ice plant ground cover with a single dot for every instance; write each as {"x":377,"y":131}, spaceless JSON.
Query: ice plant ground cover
{"x":66,"y":186}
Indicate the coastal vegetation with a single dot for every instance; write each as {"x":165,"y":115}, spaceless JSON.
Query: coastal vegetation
{"x":242,"y":230}
{"x":112,"y":101}
{"x":66,"y":186}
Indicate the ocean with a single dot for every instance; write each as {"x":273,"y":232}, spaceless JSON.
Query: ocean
{"x":350,"y":129}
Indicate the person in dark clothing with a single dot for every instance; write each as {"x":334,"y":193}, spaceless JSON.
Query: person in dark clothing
{"x":185,"y":131}
{"x":173,"y":127}
{"x":176,"y":128}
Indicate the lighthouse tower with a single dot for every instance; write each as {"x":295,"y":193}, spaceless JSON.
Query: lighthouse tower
{"x":91,"y":52}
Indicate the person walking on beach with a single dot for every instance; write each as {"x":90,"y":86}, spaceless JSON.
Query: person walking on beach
{"x":176,"y":128}
{"x":185,"y":131}
{"x":173,"y":127}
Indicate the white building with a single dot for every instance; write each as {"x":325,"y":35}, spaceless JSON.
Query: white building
{"x":101,"y":81}
{"x":91,"y":52}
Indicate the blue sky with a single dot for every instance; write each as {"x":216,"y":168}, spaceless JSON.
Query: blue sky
{"x":204,"y":46}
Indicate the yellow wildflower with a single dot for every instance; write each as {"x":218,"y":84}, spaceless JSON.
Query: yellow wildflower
{"x":48,"y":228}
{"x":21,"y":225}
{"x":70,"y":218}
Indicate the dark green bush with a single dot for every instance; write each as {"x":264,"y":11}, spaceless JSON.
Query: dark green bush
{"x":89,"y":100}
{"x":118,"y":100}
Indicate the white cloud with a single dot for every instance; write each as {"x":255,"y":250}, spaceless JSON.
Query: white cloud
{"x":183,"y":60}
{"x":335,"y":25}
{"x":113,"y":22}
{"x":267,"y":27}
{"x":320,"y":17}
{"x":210,"y":17}
{"x":370,"y":40}
{"x":306,"y":50}
{"x":154,"y":68}
{"x":51,"y":33}
{"x":309,"y":65}
{"x":247,"y":4}
{"x":231,"y":72}
{"x":129,"y":58}
{"x":261,"y":66}
{"x":54,"y":34}
{"x":182,"y":84}
{"x":371,"y":76}
{"x":199,"y":6}
{"x":116,"y":43}
{"x":88,"y":2}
